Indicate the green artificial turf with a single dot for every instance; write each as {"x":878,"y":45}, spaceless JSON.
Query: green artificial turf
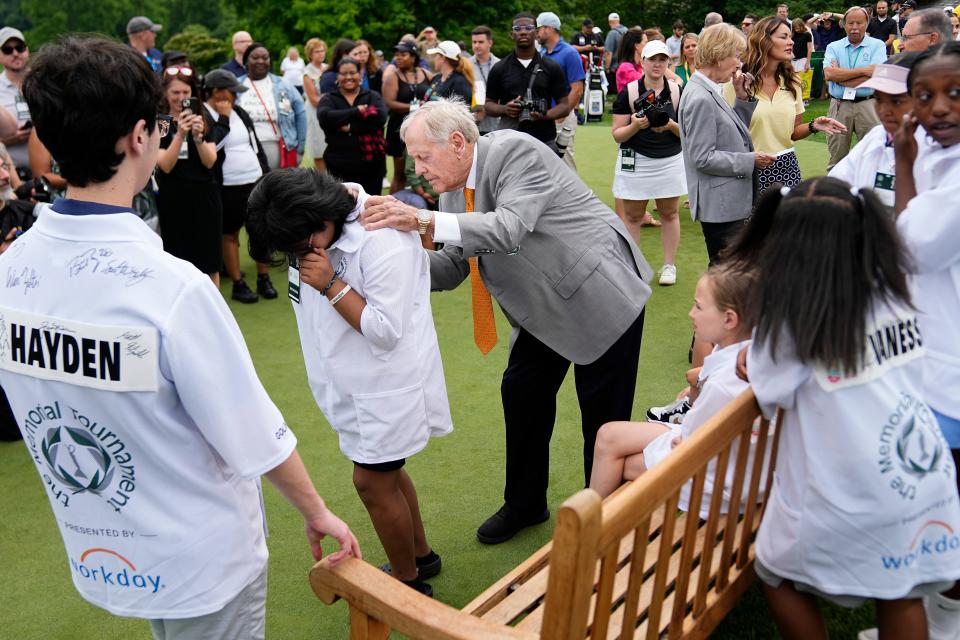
{"x":459,"y":477}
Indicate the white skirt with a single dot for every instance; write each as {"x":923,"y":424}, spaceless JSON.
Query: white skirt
{"x":651,"y":178}
{"x":660,"y":447}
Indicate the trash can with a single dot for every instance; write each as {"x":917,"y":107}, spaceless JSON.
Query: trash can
{"x":816,"y":87}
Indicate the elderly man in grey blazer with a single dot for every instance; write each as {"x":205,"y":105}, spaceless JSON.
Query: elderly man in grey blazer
{"x":718,"y":154}
{"x":560,"y":264}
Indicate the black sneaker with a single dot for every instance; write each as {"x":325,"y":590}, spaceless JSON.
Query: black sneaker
{"x":671,"y":414}
{"x":265,"y":287}
{"x":427,"y":566}
{"x":242,"y":293}
{"x":421,"y":586}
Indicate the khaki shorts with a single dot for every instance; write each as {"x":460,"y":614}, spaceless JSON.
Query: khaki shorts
{"x":243,"y":618}
{"x":848,"y":602}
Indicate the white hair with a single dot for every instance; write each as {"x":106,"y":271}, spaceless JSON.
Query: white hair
{"x":440,"y":118}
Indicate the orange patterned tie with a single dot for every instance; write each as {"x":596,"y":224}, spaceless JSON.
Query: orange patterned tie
{"x":484,"y":327}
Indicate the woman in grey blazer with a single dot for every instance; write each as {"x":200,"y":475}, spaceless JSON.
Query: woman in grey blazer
{"x":718,"y":154}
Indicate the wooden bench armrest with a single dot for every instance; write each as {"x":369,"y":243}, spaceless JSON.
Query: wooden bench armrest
{"x":381,"y":597}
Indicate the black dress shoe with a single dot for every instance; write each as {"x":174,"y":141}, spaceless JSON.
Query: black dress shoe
{"x":427,"y":566}
{"x":506,"y":523}
{"x":265,"y":287}
{"x":242,"y":293}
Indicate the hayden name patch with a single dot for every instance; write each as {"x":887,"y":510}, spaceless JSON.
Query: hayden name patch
{"x":110,"y":358}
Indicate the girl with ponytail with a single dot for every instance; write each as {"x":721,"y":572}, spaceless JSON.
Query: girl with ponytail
{"x":865,"y":484}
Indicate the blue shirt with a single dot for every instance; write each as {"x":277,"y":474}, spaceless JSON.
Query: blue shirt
{"x":569,"y":60}
{"x":870,"y":51}
{"x":234,"y":67}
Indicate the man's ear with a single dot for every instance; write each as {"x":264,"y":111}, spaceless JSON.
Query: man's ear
{"x":459,"y":142}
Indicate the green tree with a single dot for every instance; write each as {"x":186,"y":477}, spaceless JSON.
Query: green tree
{"x":203,"y":50}
{"x":51,"y":18}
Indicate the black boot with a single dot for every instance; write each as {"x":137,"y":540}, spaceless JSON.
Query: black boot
{"x":242,"y":293}
{"x":265,"y":287}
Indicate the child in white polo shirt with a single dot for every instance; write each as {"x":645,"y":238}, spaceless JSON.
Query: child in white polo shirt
{"x":130,"y":379}
{"x":863,"y":504}
{"x":871,"y":164}
{"x":928,"y":206}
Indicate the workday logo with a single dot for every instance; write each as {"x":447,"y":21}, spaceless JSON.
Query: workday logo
{"x":77,"y":460}
{"x":934,"y":538}
{"x":109,"y":568}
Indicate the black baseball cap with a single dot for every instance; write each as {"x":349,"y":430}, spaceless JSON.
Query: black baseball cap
{"x":587,"y":22}
{"x":405,"y":46}
{"x":223,"y":79}
{"x":909,"y":3}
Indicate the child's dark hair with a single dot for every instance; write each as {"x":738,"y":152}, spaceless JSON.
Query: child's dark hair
{"x":949,"y":48}
{"x":288,"y":205}
{"x":823,"y":257}
{"x":732,"y":283}
{"x":85,"y":93}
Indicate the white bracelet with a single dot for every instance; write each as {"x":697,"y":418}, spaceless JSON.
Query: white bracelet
{"x":335,"y":299}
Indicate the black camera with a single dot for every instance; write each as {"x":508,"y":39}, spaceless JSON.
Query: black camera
{"x":530,"y":104}
{"x":191,"y":104}
{"x":647,"y":105}
{"x":37,"y":189}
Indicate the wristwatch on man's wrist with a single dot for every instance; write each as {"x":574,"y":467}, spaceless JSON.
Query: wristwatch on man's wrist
{"x":423,"y":220}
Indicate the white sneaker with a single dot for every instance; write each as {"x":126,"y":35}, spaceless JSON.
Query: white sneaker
{"x":672,"y":413}
{"x":668,"y":275}
{"x":943,"y":617}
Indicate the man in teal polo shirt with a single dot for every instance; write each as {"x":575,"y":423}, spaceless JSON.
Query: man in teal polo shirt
{"x":847,"y":64}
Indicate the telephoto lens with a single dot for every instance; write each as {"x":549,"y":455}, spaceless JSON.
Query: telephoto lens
{"x":563,"y":140}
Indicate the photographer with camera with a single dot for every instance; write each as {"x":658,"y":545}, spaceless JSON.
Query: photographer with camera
{"x":650,"y":158}
{"x":522,"y":86}
{"x":189,"y":203}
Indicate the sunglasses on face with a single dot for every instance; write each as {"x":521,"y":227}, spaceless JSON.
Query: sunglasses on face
{"x":517,"y":28}
{"x":183,"y":71}
{"x":8,"y":49}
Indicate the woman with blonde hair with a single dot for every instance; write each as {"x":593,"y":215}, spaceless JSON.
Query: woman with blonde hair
{"x":688,"y":53}
{"x":455,"y":75}
{"x":316,"y":52}
{"x":778,"y":118}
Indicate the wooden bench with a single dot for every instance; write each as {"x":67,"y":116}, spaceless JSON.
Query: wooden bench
{"x":632,"y":566}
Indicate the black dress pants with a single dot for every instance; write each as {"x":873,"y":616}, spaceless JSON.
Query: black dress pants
{"x":534,"y":373}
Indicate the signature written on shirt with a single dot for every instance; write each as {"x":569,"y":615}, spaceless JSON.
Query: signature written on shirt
{"x":26,"y":278}
{"x":102,"y":262}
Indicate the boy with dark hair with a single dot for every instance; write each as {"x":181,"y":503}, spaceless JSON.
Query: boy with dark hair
{"x":109,"y":353}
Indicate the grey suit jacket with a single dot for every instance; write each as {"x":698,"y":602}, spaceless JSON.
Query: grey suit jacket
{"x":559,"y":262}
{"x":717,"y":153}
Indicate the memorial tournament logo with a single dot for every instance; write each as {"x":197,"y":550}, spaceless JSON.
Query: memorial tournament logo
{"x":911,"y":447}
{"x":77,"y":460}
{"x":918,"y":448}
{"x":78,"y":455}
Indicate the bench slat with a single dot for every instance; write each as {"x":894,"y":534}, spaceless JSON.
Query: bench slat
{"x":713,"y":524}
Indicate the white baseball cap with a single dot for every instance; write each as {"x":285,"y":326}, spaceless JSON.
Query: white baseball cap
{"x":447,"y":48}
{"x":888,"y":78}
{"x":655,"y":48}
{"x":613,"y":16}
